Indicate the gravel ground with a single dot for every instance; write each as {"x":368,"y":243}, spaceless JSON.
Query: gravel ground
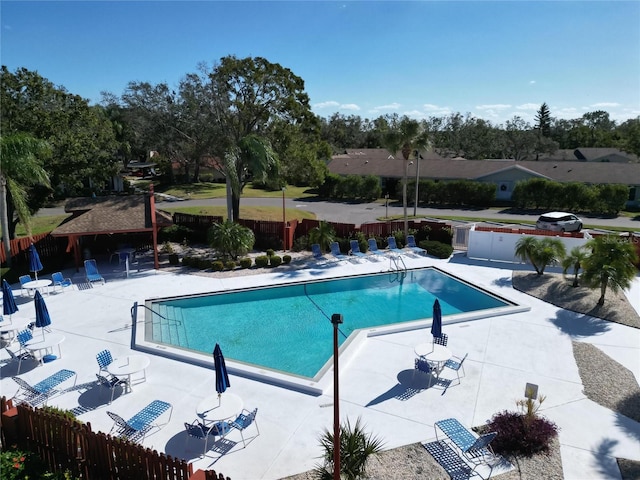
{"x":606,"y":382}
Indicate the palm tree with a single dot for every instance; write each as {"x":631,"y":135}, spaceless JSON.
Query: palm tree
{"x":611,"y":263}
{"x":323,"y":235}
{"x":575,"y":259}
{"x":409,"y":137}
{"x":252,"y":155}
{"x":231,"y":239}
{"x":21,"y":156}
{"x":540,"y":253}
{"x":356,"y":446}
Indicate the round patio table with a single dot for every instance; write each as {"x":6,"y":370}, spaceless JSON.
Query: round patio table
{"x":38,"y":285}
{"x":129,"y":366}
{"x":434,"y":353}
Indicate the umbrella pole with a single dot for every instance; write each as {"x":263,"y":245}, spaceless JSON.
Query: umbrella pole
{"x":219,"y":399}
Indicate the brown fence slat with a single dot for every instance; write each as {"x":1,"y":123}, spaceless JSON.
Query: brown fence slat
{"x":69,"y":444}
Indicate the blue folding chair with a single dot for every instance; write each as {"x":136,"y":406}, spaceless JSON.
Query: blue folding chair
{"x":411,"y":245}
{"x":335,"y":251}
{"x":137,"y":427}
{"x":355,"y":249}
{"x":244,"y":420}
{"x":91,"y":271}
{"x":392,"y":246}
{"x":59,"y":281}
{"x":43,"y":390}
{"x":373,"y":247}
{"x":24,"y":279}
{"x":199,"y":430}
{"x":317,"y":251}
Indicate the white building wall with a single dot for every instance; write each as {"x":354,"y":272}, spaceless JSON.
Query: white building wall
{"x":501,"y":246}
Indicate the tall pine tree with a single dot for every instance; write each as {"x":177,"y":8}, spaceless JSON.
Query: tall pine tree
{"x":543,"y":121}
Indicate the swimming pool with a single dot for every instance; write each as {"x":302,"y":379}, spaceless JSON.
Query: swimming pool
{"x":286,"y":329}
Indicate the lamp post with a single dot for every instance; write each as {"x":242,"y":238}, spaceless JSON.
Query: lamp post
{"x":336,"y":319}
{"x":404,"y":199}
{"x":284,"y":224}
{"x":386,"y":207}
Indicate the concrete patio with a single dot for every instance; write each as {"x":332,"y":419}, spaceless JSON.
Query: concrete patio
{"x":376,"y":381}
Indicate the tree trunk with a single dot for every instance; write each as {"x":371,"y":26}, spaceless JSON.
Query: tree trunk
{"x":6,"y":239}
{"x":235,"y":199}
{"x":603,"y":290}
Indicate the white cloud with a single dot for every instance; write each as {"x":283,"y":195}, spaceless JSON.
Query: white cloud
{"x":532,"y":82}
{"x":436,"y":109}
{"x":390,"y":106}
{"x":528,"y":106}
{"x":566,"y":112}
{"x":497,"y":106}
{"x":414,"y":113}
{"x":330,"y":103}
{"x":349,"y":106}
{"x":604,"y":105}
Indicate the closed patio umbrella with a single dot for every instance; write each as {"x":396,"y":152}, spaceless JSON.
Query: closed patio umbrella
{"x":9,"y":306}
{"x":222,"y":378}
{"x":436,"y":323}
{"x":35,"y":265}
{"x":43,"y":320}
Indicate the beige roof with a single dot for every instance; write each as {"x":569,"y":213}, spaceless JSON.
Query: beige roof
{"x":109,"y":215}
{"x":379,"y":164}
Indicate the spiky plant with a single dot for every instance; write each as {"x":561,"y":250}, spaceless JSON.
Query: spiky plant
{"x":356,"y":446}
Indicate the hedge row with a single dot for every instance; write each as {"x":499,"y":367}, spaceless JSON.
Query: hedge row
{"x":262,"y":261}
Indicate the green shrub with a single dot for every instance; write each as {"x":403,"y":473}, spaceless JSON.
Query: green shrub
{"x":245,"y":262}
{"x":203,"y":263}
{"x":262,"y":261}
{"x":301,"y":244}
{"x":437,"y":249}
{"x":230,"y":265}
{"x":217,"y":266}
{"x":166,"y":248}
{"x":68,"y":414}
{"x":275,"y":260}
{"x":187,"y":261}
{"x":270,"y":252}
{"x":175,"y":233}
{"x":18,"y":464}
{"x":286,"y":259}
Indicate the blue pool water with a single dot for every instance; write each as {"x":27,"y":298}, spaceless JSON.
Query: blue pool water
{"x":287,"y":328}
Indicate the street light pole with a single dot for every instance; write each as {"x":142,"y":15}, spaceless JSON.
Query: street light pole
{"x":418,"y":157}
{"x":336,"y":319}
{"x":284,"y":224}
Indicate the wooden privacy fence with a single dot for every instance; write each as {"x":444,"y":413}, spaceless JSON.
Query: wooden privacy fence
{"x":65,"y":444}
{"x":47,"y":246}
{"x":264,"y":229}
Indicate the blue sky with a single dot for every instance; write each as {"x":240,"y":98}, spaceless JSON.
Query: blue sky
{"x":493,"y":60}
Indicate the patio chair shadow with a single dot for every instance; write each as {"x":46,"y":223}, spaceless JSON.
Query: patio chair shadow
{"x":94,"y":396}
{"x":410,"y":383}
{"x":577,"y":325}
{"x":181,"y":446}
{"x":457,"y":468}
{"x":10,"y":367}
{"x":449,"y":460}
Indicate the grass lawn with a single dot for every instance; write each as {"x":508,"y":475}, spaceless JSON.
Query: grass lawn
{"x":218,"y":190}
{"x":252,"y":213}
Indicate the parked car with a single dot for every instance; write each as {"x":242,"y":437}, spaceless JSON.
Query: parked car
{"x":559,"y":222}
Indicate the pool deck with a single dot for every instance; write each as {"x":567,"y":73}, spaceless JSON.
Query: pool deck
{"x":376,"y":381}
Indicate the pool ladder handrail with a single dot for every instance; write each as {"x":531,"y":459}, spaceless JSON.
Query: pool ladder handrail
{"x":136,"y":305}
{"x":394,"y":265}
